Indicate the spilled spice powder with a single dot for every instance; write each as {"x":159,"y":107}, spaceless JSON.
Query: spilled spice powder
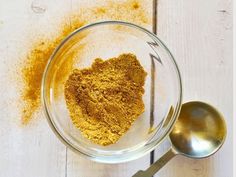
{"x":106,"y":99}
{"x":42,"y":48}
{"x":32,"y":71}
{"x":136,"y":5}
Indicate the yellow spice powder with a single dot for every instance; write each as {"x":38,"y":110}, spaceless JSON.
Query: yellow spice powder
{"x":105,"y":100}
{"x":34,"y":64}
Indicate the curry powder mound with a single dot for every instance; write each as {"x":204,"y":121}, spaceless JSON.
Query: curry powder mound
{"x":104,"y":100}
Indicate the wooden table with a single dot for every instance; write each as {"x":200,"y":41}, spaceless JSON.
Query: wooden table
{"x":199,"y":34}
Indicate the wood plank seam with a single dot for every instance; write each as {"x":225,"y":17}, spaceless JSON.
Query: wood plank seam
{"x":154,"y":29}
{"x":66,"y":163}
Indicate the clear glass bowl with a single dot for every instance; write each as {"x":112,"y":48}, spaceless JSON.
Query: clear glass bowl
{"x":162,"y":97}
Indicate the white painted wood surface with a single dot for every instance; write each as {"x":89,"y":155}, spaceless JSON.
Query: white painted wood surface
{"x":199,"y":34}
{"x":34,"y":151}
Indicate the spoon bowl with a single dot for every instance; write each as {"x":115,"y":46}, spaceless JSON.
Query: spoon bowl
{"x":199,"y":132}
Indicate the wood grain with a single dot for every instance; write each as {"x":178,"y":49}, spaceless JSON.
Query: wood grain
{"x":199,"y":34}
{"x":34,"y":150}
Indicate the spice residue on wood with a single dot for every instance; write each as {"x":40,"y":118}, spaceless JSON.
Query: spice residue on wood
{"x":42,"y":48}
{"x":106,"y":99}
{"x":33,"y":68}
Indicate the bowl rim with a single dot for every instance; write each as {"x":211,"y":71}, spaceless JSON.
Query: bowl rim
{"x":151,"y":146}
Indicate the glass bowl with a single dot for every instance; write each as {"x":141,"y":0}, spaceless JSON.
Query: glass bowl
{"x":162,"y":97}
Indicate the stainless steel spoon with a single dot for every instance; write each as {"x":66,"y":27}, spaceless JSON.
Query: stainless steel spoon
{"x":199,"y":132}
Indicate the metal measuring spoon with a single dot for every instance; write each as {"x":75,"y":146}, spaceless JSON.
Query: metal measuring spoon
{"x":199,"y":132}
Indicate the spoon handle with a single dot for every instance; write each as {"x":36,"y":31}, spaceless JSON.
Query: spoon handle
{"x":157,"y":165}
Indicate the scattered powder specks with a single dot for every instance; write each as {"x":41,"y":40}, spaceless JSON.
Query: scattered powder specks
{"x":34,"y":64}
